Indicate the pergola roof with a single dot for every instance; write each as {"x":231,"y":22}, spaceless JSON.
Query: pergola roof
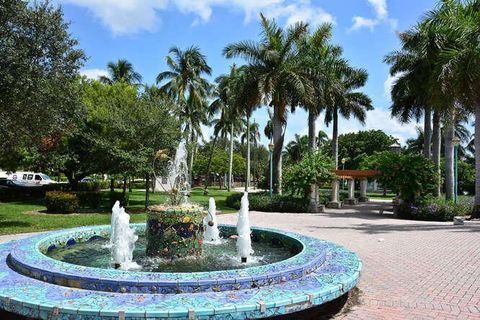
{"x":355,"y":174}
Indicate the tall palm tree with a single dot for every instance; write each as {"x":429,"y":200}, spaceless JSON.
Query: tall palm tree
{"x":346,"y":102}
{"x":122,"y":70}
{"x":296,"y":149}
{"x":227,"y":122}
{"x":247,"y":97}
{"x":185,"y":83}
{"x":459,"y":63}
{"x":274,"y":65}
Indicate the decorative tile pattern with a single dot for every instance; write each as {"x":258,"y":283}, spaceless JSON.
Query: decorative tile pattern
{"x":320,"y":272}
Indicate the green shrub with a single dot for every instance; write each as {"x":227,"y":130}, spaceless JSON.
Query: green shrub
{"x":138,"y":184}
{"x":436,"y":209}
{"x":262,"y":202}
{"x":92,"y":185}
{"x":91,"y":200}
{"x":314,"y":169}
{"x":61,"y":202}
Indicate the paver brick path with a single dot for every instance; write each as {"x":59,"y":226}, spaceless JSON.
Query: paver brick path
{"x":411,"y":269}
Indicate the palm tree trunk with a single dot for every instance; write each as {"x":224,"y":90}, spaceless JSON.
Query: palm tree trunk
{"x":192,"y":156}
{"x":313,"y":192}
{"x":449,"y":170}
{"x":230,"y":160}
{"x":277,"y":151}
{"x":427,"y":133}
{"x":247,"y":173}
{"x":335,"y":138}
{"x":476,"y":208}
{"x":207,"y":174}
{"x":436,"y":149}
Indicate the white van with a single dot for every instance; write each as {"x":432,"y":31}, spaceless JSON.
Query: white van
{"x":29,"y":179}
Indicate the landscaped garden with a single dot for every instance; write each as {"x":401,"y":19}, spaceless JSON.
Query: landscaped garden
{"x":192,"y":181}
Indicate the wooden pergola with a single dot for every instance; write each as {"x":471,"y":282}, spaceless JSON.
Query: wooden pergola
{"x":351,"y":176}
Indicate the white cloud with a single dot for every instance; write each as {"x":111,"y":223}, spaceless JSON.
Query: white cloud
{"x":132,"y":16}
{"x":380,"y":7}
{"x":388,"y":84}
{"x":381,"y":17}
{"x":361,"y":22}
{"x":94,"y":73}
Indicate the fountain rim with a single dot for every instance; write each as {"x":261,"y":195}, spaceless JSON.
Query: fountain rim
{"x":27,"y":257}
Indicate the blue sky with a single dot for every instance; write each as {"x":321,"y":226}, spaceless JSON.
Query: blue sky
{"x":142,"y":31}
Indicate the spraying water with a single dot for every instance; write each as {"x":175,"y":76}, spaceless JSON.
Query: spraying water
{"x":211,"y":233}
{"x":122,"y":239}
{"x":244,"y":243}
{"x":178,"y":176}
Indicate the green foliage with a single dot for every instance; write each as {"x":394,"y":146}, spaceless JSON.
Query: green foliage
{"x":263,"y":202}
{"x":219,"y":162}
{"x":410,"y":175}
{"x":436,"y":209}
{"x":92,"y":185}
{"x":61,"y":202}
{"x":90,"y":199}
{"x":314,"y":169}
{"x":353,"y":147}
{"x":39,"y":64}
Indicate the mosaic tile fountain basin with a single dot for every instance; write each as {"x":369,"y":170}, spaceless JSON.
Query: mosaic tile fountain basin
{"x":37,"y":286}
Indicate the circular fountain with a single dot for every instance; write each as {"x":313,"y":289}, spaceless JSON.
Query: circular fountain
{"x":180,"y":264}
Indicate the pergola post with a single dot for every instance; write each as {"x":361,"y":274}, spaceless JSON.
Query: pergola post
{"x":351,"y":192}
{"x":363,"y":190}
{"x":335,"y":203}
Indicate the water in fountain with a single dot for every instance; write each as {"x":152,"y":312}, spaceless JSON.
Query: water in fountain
{"x":122,"y":239}
{"x":178,"y":176}
{"x":244,"y":243}
{"x":211,"y":233}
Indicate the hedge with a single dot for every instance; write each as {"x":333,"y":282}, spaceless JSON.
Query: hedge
{"x":61,"y":202}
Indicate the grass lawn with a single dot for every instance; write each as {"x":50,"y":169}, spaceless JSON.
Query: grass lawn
{"x":28,"y":216}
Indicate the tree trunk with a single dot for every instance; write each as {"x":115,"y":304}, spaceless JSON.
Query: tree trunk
{"x":247,"y":173}
{"x":436,"y":150}
{"x":277,"y":151}
{"x":313,"y":189}
{"x":427,"y":133}
{"x":335,"y":138}
{"x":147,"y":191}
{"x":207,"y":174}
{"x":112,"y":185}
{"x":124,"y":185}
{"x":476,"y":210}
{"x":192,"y":156}
{"x":130,"y":185}
{"x":230,"y":160}
{"x":449,"y":170}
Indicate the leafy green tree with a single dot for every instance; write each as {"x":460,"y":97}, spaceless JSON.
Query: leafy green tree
{"x":412,"y":176}
{"x":274,"y":69}
{"x":315,"y":168}
{"x":296,"y":149}
{"x":39,"y":65}
{"x":122,"y":70}
{"x":353,"y":147}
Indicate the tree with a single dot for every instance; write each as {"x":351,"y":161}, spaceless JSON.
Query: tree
{"x":122,"y":70}
{"x":296,"y":149}
{"x":188,"y":87}
{"x":353,"y":147}
{"x":315,"y":168}
{"x":274,"y":68}
{"x":459,"y":63}
{"x":347,"y":102}
{"x":228,"y":120}
{"x":119,"y":133}
{"x":39,"y":65}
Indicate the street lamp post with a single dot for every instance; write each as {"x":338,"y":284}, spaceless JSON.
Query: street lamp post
{"x":270,"y":151}
{"x":456,"y":143}
{"x":343,"y":168}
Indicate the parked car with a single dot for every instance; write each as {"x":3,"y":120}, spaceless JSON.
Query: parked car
{"x":29,"y":179}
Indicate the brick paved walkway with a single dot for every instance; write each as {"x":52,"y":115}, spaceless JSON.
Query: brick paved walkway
{"x":411,"y":269}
